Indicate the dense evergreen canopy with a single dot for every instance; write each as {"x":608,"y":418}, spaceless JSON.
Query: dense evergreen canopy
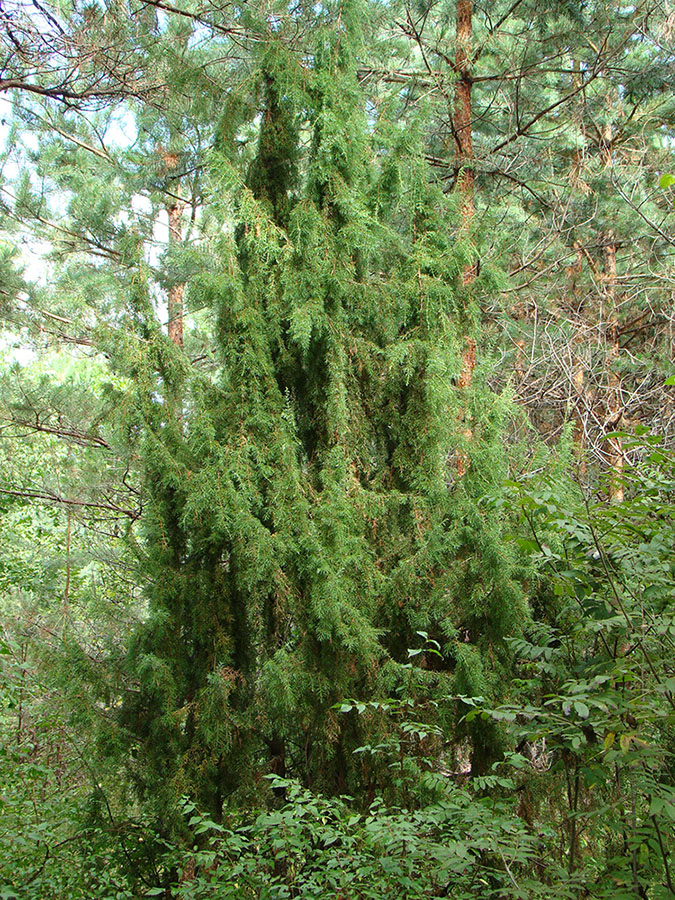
{"x":305,"y":516}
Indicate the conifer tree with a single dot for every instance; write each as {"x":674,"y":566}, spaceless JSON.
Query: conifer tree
{"x":304,"y":520}
{"x":558,"y":118}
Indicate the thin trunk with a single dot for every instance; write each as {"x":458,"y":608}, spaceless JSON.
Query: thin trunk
{"x":574,"y":848}
{"x":174,"y":210}
{"x":579,"y":368}
{"x":461,"y":120}
{"x":463,"y":137}
{"x":22,"y":687}
{"x":614,"y":403}
{"x":579,"y":378}
{"x":66,"y":591}
{"x":575,"y":270}
{"x":176,"y":291}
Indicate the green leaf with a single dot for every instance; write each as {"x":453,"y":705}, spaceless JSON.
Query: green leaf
{"x":666,"y":180}
{"x":581,"y":709}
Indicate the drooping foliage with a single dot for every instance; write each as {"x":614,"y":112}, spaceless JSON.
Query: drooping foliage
{"x":306,"y":518}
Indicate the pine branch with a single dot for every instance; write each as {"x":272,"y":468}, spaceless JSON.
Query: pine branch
{"x":78,"y":437}
{"x":49,"y":497}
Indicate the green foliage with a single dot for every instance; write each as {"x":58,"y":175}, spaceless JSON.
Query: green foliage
{"x":45,"y":850}
{"x":208,"y":549}
{"x":302,"y":520}
{"x":318,"y":848}
{"x":597,"y":718}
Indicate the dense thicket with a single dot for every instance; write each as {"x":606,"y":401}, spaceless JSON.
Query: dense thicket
{"x":324,"y":328}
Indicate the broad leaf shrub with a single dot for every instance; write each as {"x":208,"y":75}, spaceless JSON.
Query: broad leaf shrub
{"x":594,"y":719}
{"x":48,"y":851}
{"x":319,"y":848}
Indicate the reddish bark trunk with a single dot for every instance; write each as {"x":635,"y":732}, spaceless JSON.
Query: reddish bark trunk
{"x":177,"y":290}
{"x":461,"y":120}
{"x":463,"y":137}
{"x":614,"y":405}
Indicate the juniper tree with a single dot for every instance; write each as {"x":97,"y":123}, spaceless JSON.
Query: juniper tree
{"x":304,"y":520}
{"x":301,"y":514}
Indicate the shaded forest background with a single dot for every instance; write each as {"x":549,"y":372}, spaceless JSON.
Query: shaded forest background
{"x":337,"y":407}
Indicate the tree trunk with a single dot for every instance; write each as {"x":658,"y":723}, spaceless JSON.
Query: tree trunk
{"x":176,"y":291}
{"x":579,"y":367}
{"x":463,"y":137}
{"x":579,"y":378}
{"x":614,"y":406}
{"x":461,"y":120}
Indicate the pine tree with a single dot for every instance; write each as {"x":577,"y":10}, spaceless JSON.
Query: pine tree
{"x":550,"y":125}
